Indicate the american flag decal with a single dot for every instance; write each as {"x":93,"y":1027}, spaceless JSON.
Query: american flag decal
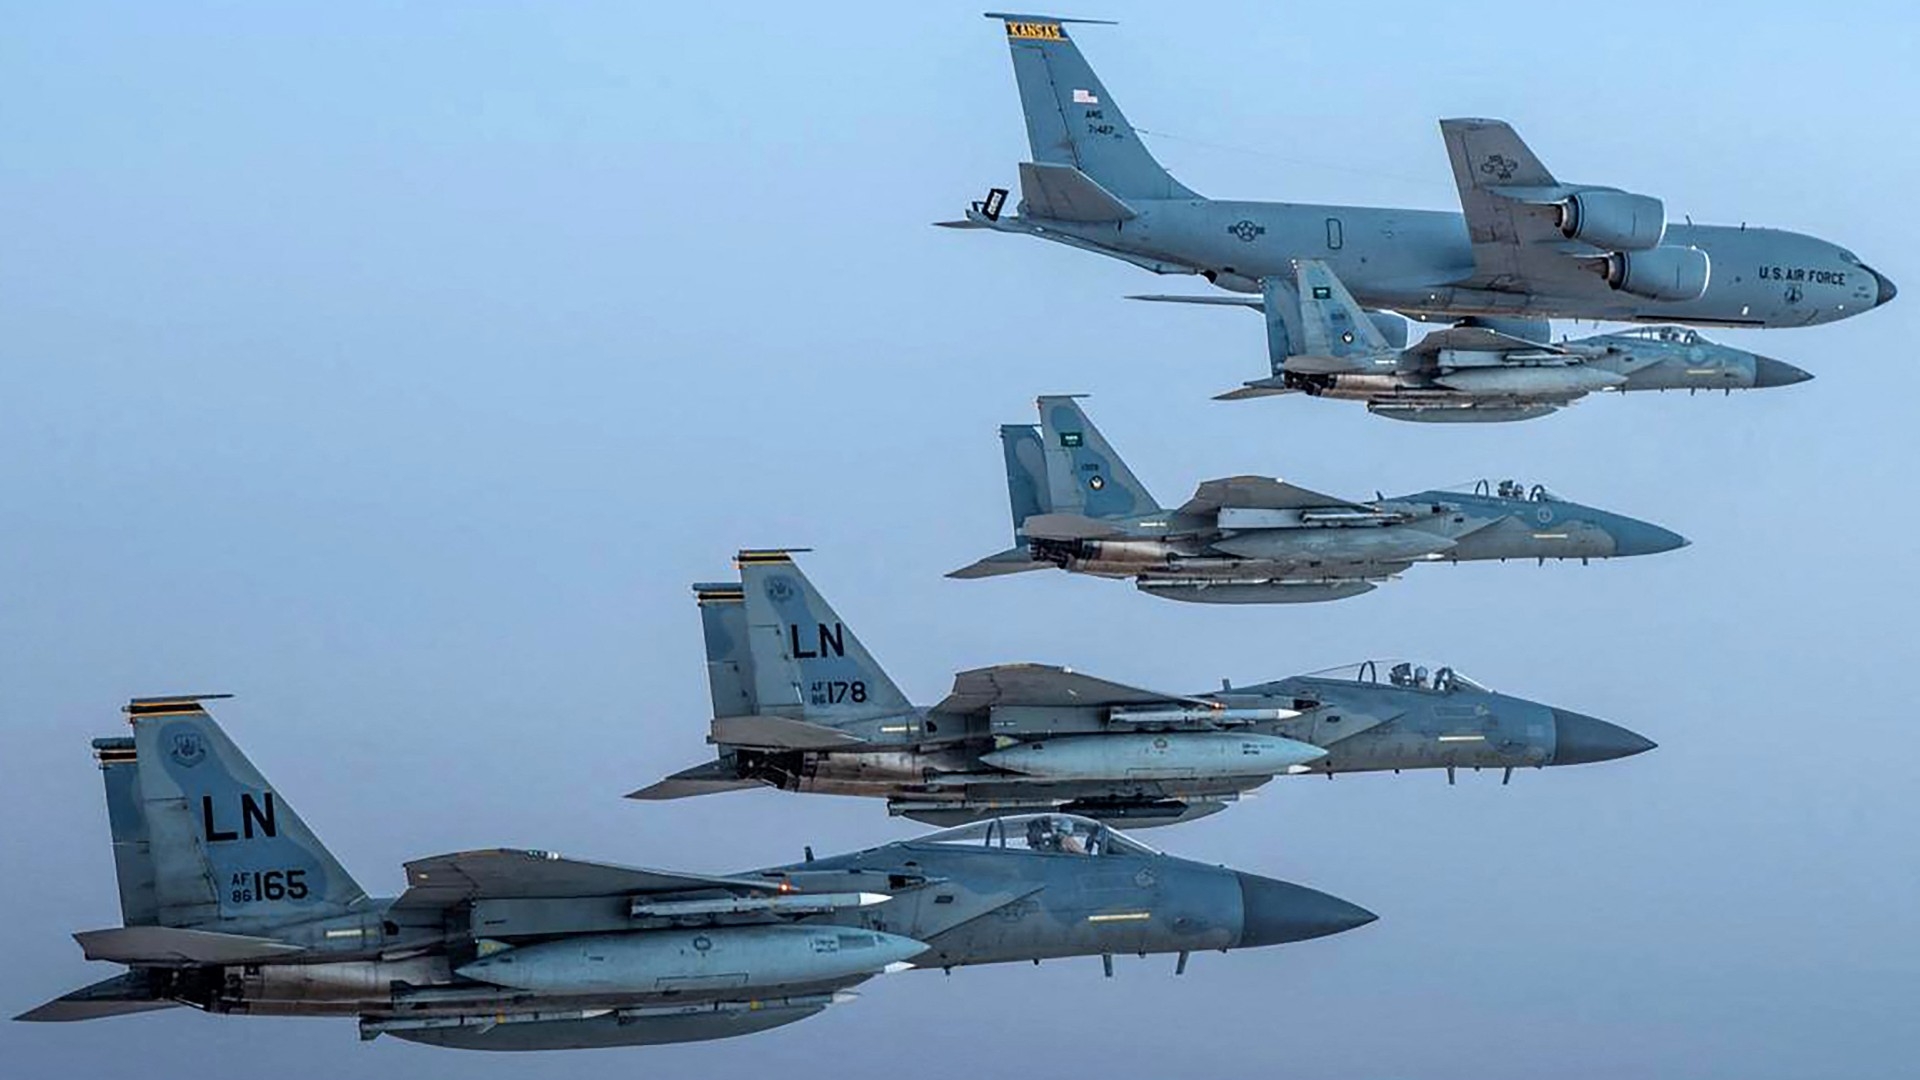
{"x":1085,"y":97}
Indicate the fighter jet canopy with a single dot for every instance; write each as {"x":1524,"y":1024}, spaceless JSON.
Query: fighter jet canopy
{"x":1410,"y":674}
{"x":1050,"y":834}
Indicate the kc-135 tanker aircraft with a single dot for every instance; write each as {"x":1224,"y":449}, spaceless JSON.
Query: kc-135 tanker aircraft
{"x":230,"y":904}
{"x":1525,"y":244}
{"x":1255,"y":540}
{"x":801,"y":705}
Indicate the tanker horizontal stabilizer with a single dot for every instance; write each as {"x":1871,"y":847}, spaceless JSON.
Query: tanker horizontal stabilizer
{"x":778,"y":733}
{"x":440,"y":881}
{"x":168,"y":945}
{"x":1064,"y":193}
{"x":1254,"y":302}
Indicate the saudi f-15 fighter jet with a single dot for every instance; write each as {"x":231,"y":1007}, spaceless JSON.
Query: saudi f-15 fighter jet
{"x":1526,"y":244}
{"x":801,"y":705}
{"x":1255,"y":540}
{"x":1323,"y":344}
{"x":231,"y":905}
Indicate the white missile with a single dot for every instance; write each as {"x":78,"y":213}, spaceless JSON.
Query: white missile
{"x":1174,"y":756}
{"x":775,"y":903}
{"x":1195,"y":715}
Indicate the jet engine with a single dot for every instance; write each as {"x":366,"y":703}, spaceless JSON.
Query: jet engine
{"x":1615,"y":220}
{"x":1669,"y":272}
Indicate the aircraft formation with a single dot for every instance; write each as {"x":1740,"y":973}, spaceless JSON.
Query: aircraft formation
{"x":230,"y":904}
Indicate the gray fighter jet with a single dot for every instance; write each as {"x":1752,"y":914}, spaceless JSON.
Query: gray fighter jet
{"x":800,"y":704}
{"x":1322,"y":343}
{"x":1255,"y":540}
{"x":231,"y":905}
{"x":1527,"y":244}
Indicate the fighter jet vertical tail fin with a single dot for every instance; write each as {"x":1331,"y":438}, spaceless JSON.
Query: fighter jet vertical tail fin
{"x":1072,"y":120}
{"x":723,"y":623}
{"x":1027,"y":493}
{"x":1332,"y":323}
{"x":1281,"y":303}
{"x":127,"y":823}
{"x":1084,"y":474}
{"x":806,"y":663}
{"x":205,"y":831}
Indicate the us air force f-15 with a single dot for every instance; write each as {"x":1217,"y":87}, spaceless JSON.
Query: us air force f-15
{"x":1322,"y":343}
{"x":1255,"y":540}
{"x":800,"y":704}
{"x":1526,"y":244}
{"x":231,"y":905}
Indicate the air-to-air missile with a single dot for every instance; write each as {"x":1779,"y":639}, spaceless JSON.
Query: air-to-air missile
{"x":1255,"y":540}
{"x":799,"y":704}
{"x":1525,"y":243}
{"x":1322,"y":344}
{"x":230,"y":904}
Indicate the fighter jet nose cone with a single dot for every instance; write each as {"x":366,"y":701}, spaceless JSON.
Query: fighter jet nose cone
{"x":1580,"y":739}
{"x":1642,"y":538}
{"x":1887,"y":291}
{"x":1276,"y":912}
{"x":1770,"y":372}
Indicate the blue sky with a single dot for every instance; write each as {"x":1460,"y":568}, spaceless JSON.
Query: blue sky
{"x":396,"y":367}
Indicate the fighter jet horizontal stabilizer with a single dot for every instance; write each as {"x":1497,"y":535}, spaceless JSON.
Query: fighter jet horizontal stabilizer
{"x":1010,"y":561}
{"x":777,"y":733}
{"x":164,"y":945}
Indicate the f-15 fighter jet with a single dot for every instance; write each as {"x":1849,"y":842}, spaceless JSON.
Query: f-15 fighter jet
{"x":230,"y":904}
{"x":1322,"y":343}
{"x":1255,"y":540}
{"x":801,"y":705}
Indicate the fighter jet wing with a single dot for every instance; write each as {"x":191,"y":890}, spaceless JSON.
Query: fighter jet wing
{"x":1045,"y":685}
{"x":1511,"y":205}
{"x":507,"y":874}
{"x":1259,"y":493}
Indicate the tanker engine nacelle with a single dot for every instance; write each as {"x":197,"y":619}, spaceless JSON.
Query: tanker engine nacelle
{"x":1614,"y":220}
{"x":1664,"y":273}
